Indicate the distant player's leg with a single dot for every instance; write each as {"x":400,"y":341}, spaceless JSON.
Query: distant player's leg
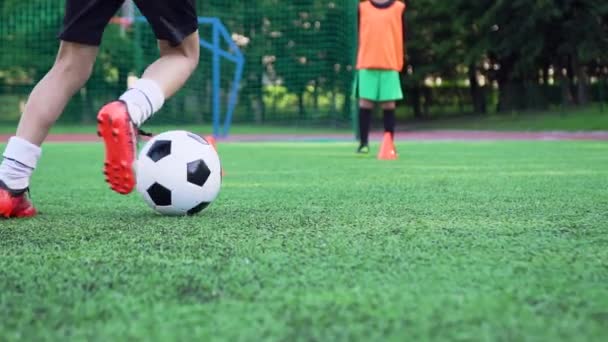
{"x":366,"y":108}
{"x":388,"y":109}
{"x":176,"y":26}
{"x":369,"y":84}
{"x":390,"y":92}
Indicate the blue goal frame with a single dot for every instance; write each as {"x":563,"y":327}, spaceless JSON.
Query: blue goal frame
{"x":234,"y":54}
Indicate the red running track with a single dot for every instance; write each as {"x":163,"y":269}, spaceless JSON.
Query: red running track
{"x":441,"y":135}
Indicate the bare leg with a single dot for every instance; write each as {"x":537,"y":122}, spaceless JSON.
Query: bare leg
{"x":390,"y":105}
{"x":45,"y":104}
{"x":72,"y":68}
{"x":175,"y":64}
{"x":163,"y":78}
{"x":366,"y":104}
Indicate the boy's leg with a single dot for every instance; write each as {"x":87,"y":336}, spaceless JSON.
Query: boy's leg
{"x":49,"y":97}
{"x":163,"y":78}
{"x":83,"y":27}
{"x":45,"y":104}
{"x":176,"y":26}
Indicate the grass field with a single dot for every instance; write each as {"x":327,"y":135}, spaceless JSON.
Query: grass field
{"x":501,"y":241}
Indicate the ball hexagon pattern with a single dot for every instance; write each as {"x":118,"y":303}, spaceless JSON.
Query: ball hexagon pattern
{"x":160,"y":195}
{"x":159,"y":150}
{"x":198,"y":172}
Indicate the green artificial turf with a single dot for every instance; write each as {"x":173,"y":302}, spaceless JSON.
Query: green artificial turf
{"x":500,"y":241}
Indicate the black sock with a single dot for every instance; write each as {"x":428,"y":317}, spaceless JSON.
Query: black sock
{"x":365,"y":121}
{"x":389,"y":121}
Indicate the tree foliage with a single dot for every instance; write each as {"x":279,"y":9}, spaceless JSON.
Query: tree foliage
{"x":308,"y":47}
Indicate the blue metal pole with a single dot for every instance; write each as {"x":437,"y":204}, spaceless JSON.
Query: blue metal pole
{"x":209,"y":46}
{"x":216,"y":80}
{"x":233,"y":95}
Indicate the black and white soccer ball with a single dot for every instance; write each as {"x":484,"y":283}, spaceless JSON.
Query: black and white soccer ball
{"x":178,"y":173}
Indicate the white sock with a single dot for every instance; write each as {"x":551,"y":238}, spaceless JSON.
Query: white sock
{"x":143,"y":100}
{"x":20,"y":160}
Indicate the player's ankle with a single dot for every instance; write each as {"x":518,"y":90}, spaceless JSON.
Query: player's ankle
{"x":13,"y":184}
{"x":143,"y":100}
{"x":15,"y":189}
{"x":20,"y":160}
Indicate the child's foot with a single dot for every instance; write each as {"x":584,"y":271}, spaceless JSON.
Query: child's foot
{"x":119,"y":135}
{"x":15,"y":204}
{"x":363,"y":149}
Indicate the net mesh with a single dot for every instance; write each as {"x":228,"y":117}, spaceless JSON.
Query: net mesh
{"x":298,"y":61}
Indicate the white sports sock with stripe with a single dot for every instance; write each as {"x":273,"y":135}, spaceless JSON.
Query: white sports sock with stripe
{"x":143,"y":100}
{"x":20,"y":160}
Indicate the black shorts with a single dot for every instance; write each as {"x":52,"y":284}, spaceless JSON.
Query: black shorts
{"x":85,"y":20}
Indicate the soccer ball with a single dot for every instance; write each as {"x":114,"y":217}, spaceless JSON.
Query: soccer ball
{"x":178,"y":173}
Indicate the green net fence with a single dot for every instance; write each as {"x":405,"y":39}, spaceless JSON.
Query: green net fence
{"x":298,"y":67}
{"x":299,"y":58}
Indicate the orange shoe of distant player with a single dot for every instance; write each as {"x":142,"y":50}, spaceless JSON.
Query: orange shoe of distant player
{"x":119,"y":135}
{"x":15,"y":204}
